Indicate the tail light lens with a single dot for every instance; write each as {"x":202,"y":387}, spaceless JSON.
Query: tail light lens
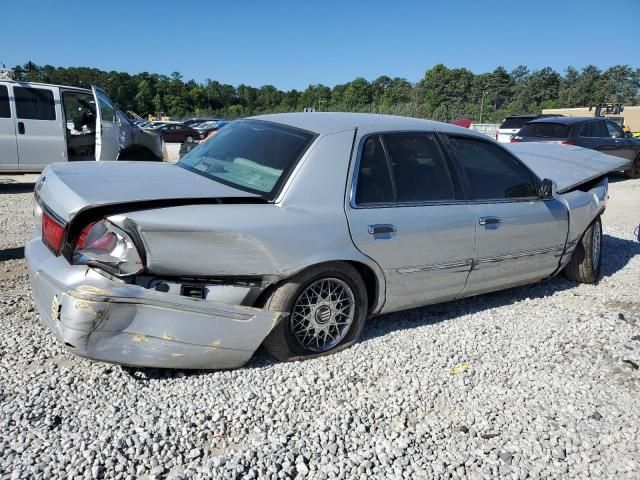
{"x":52,"y":233}
{"x":568,"y":142}
{"x":514,"y":140}
{"x":105,"y":246}
{"x":496,"y":135}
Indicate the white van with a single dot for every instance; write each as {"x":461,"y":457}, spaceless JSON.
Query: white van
{"x":41,"y":124}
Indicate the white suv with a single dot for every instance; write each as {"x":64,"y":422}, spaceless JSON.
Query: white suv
{"x":41,"y":124}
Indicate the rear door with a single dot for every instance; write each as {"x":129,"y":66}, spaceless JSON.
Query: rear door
{"x":520,"y":237}
{"x":40,"y":126}
{"x":8,"y":143}
{"x":107,"y":129}
{"x":407,"y":213}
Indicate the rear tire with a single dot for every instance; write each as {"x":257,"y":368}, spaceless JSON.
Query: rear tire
{"x":586,"y":260}
{"x":318,"y":318}
{"x":189,"y":139}
{"x":634,"y":171}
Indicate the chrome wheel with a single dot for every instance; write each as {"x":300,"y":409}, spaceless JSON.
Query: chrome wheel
{"x":596,"y":244}
{"x":323,"y":314}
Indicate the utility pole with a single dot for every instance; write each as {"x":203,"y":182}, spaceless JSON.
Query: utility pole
{"x":482,"y":105}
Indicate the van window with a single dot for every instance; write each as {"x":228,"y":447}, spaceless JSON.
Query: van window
{"x":107,"y":112}
{"x":5,"y":112}
{"x":34,"y":103}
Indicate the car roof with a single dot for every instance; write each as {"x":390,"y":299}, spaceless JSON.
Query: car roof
{"x":565,"y":120}
{"x":324,"y":123}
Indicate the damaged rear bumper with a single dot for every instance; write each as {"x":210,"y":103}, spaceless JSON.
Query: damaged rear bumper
{"x":112,"y":321}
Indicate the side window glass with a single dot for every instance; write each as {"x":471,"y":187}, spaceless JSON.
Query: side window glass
{"x":374,"y":181}
{"x":34,"y":103}
{"x":598,"y":129}
{"x":493,"y":173}
{"x":419,"y":168}
{"x":613,"y":129}
{"x":5,"y":111}
{"x":586,"y":130}
{"x":107,"y":112}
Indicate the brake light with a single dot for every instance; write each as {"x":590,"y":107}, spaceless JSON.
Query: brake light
{"x":82,"y":238}
{"x":568,"y":142}
{"x":52,"y":233}
{"x":496,"y":135}
{"x":514,"y":140}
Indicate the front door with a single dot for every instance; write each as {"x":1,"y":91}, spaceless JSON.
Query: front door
{"x":520,"y":237}
{"x":39,"y":125}
{"x":407,"y":213}
{"x":107,"y":128}
{"x":619,"y":145}
{"x":8,"y":144}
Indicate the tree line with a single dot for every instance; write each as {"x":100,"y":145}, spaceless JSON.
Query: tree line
{"x":443,"y":93}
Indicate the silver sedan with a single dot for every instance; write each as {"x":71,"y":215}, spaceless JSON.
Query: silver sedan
{"x":290,"y":230}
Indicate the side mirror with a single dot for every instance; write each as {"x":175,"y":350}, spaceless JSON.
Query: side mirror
{"x":547,"y":189}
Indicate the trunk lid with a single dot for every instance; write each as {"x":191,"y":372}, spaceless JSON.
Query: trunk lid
{"x":67,"y":189}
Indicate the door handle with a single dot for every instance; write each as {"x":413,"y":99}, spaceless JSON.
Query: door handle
{"x":382,"y":228}
{"x":21,"y":128}
{"x":489,"y":220}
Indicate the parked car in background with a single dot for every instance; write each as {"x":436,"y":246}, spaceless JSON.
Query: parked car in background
{"x":289,"y":230}
{"x":206,"y":128}
{"x":42,"y":123}
{"x":192,"y":122}
{"x":596,"y":133}
{"x":512,"y":125}
{"x":178,"y":133}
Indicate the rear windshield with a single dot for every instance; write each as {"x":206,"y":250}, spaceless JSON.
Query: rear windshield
{"x":515,"y":122}
{"x":251,"y":155}
{"x":544,"y":130}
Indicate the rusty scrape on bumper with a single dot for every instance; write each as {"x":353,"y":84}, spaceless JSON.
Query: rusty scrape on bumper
{"x":116,"y":322}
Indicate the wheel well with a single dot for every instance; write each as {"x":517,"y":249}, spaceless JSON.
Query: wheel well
{"x":137,"y":150}
{"x":367,"y":274}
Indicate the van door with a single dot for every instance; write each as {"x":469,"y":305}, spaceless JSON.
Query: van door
{"x":107,"y":128}
{"x":40,"y":127}
{"x":8,"y":144}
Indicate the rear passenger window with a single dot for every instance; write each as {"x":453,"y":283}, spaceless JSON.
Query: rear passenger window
{"x":374,"y":181}
{"x":493,"y":174}
{"x":419,"y":169}
{"x":594,"y":130}
{"x":34,"y":103}
{"x":5,"y":111}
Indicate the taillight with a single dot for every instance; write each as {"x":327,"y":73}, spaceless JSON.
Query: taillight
{"x":496,"y":135}
{"x":568,"y":142}
{"x":52,"y":233}
{"x":514,"y":140}
{"x":105,"y":246}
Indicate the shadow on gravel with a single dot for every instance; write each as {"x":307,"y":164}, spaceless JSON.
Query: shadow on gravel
{"x":11,"y":254}
{"x":617,"y":253}
{"x":16,"y":187}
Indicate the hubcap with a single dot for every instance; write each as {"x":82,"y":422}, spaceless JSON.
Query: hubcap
{"x":323,"y":314}
{"x":595,"y":245}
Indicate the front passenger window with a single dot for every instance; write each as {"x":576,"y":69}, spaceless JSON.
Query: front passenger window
{"x":492,"y":172}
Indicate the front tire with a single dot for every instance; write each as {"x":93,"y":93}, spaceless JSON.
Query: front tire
{"x":634,"y":171}
{"x":189,"y":139}
{"x":586,"y":260}
{"x":325,"y":310}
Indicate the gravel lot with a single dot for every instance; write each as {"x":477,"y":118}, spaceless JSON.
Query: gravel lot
{"x":535,"y":382}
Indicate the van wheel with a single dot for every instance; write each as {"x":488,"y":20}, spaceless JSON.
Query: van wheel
{"x":634,"y":171}
{"x":324,"y":309}
{"x":584,"y":266}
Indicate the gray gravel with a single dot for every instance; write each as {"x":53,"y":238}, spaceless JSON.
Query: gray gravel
{"x":535,"y":382}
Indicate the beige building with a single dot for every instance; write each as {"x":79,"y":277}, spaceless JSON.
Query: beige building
{"x":629,"y":117}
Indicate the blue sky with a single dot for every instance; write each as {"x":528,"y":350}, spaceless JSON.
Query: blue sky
{"x":291,"y":44}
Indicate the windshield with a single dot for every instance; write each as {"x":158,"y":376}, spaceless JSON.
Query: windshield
{"x":544,"y":130}
{"x":251,"y":155}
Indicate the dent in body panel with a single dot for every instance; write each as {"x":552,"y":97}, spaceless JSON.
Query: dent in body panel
{"x":583,"y":208}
